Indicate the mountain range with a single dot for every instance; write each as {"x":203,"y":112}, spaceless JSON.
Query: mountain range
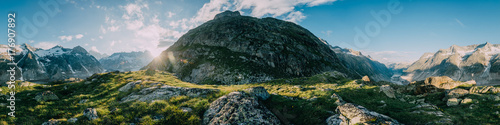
{"x":56,"y":63}
{"x":479,"y":63}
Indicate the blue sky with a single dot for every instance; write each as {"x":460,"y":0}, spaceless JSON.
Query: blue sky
{"x":108,"y":26}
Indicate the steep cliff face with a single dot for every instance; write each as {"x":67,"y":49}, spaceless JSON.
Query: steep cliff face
{"x":474,"y":62}
{"x":126,"y":61}
{"x":53,"y":64}
{"x":363,"y":65}
{"x":235,"y":49}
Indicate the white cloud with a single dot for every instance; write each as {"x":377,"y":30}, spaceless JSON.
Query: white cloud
{"x":66,"y":38}
{"x":295,"y":17}
{"x":102,"y":30}
{"x":170,"y":14}
{"x":78,"y":36}
{"x":93,"y":48}
{"x":113,"y":28}
{"x":31,"y":41}
{"x":45,"y":45}
{"x":112,"y":43}
{"x":134,"y":25}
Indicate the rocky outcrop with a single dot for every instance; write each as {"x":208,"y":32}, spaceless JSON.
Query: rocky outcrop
{"x":126,"y":61}
{"x":388,"y":91}
{"x":166,"y":92}
{"x":227,"y":49}
{"x":90,"y":113}
{"x":259,"y":92}
{"x":350,"y":114}
{"x":238,"y":108}
{"x":46,"y":96}
{"x":129,"y":86}
{"x":479,"y":63}
{"x":457,"y":93}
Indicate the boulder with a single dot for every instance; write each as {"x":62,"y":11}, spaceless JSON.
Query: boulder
{"x":388,"y":91}
{"x":186,"y":109}
{"x":72,"y":120}
{"x":337,"y":120}
{"x":365,"y":79}
{"x":238,"y":108}
{"x":90,"y":113}
{"x":129,"y":86}
{"x":457,"y":93}
{"x":444,"y":82}
{"x":46,"y":96}
{"x":453,"y":102}
{"x":52,"y":122}
{"x":259,"y":92}
{"x":466,"y":101}
{"x":350,"y":114}
{"x":338,"y":99}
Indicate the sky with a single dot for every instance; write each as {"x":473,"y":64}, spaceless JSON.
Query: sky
{"x":387,"y":30}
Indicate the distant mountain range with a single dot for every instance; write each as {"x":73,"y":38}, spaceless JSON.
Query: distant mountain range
{"x":56,"y":63}
{"x":126,"y":61}
{"x":480,"y":62}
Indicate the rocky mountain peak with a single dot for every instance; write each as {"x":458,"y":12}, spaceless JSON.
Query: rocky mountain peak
{"x":228,"y":50}
{"x":79,"y":49}
{"x":227,"y":13}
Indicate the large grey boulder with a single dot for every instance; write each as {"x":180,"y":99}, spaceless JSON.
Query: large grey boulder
{"x":351,"y":114}
{"x":90,"y":113}
{"x":388,"y":91}
{"x":238,"y":108}
{"x":129,"y":86}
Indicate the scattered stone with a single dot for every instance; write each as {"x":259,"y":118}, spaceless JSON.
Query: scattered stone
{"x":83,"y":101}
{"x":238,"y":108}
{"x":313,"y":99}
{"x":52,"y":122}
{"x":259,"y":92}
{"x":389,"y":92}
{"x":338,"y":99}
{"x":186,"y":109}
{"x":354,"y":114}
{"x":457,"y":93}
{"x":90,"y":113}
{"x":72,"y":120}
{"x":337,"y":119}
{"x":452,"y":102}
{"x":365,"y":79}
{"x":46,"y":96}
{"x":129,"y":86}
{"x":466,"y":101}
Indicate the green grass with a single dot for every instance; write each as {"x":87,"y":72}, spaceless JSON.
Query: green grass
{"x":103,"y":95}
